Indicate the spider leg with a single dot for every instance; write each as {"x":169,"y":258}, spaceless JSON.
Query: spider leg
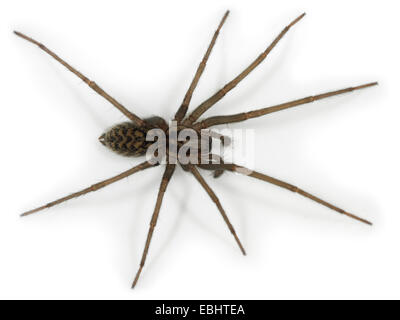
{"x":180,"y":114}
{"x":89,"y":82}
{"x":280,"y":183}
{"x":207,"y":104}
{"x":169,"y":170}
{"x":94,"y":187}
{"x":218,"y":120}
{"x":213,"y":159}
{"x":215,"y":199}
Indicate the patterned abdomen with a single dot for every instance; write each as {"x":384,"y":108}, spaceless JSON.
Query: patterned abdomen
{"x":126,"y":139}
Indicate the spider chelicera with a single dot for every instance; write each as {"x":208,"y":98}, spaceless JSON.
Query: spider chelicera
{"x":129,"y":138}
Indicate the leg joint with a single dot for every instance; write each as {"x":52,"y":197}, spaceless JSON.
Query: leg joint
{"x":153,"y":224}
{"x":96,"y":187}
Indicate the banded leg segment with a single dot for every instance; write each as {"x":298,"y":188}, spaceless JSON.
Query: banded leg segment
{"x":215,"y":199}
{"x":169,"y":170}
{"x":280,"y":183}
{"x":218,"y":120}
{"x":139,"y":122}
{"x":230,"y":85}
{"x":92,"y":188}
{"x":180,"y":114}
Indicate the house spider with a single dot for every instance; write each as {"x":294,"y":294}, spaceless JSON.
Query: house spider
{"x":128,"y":138}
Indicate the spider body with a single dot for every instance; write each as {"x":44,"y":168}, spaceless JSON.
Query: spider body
{"x":129,"y":138}
{"x":126,"y":139}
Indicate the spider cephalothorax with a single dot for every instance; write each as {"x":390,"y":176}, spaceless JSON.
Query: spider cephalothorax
{"x":129,"y":138}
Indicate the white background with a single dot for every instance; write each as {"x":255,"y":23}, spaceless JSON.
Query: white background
{"x":144,"y":53}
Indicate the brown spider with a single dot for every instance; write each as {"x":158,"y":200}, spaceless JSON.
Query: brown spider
{"x":128,"y":138}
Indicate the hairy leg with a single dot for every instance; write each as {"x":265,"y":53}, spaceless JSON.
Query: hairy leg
{"x":169,"y":170}
{"x":279,"y":183}
{"x":94,"y":187}
{"x":218,"y":120}
{"x":230,"y":85}
{"x":215,"y":199}
{"x":139,"y":122}
{"x":180,"y":114}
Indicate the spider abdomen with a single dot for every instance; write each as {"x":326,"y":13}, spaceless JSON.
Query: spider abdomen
{"x":126,"y":139}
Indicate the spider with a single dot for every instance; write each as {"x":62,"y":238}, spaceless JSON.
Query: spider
{"x":128,"y":138}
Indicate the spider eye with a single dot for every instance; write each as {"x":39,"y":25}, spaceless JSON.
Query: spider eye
{"x":102,"y":139}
